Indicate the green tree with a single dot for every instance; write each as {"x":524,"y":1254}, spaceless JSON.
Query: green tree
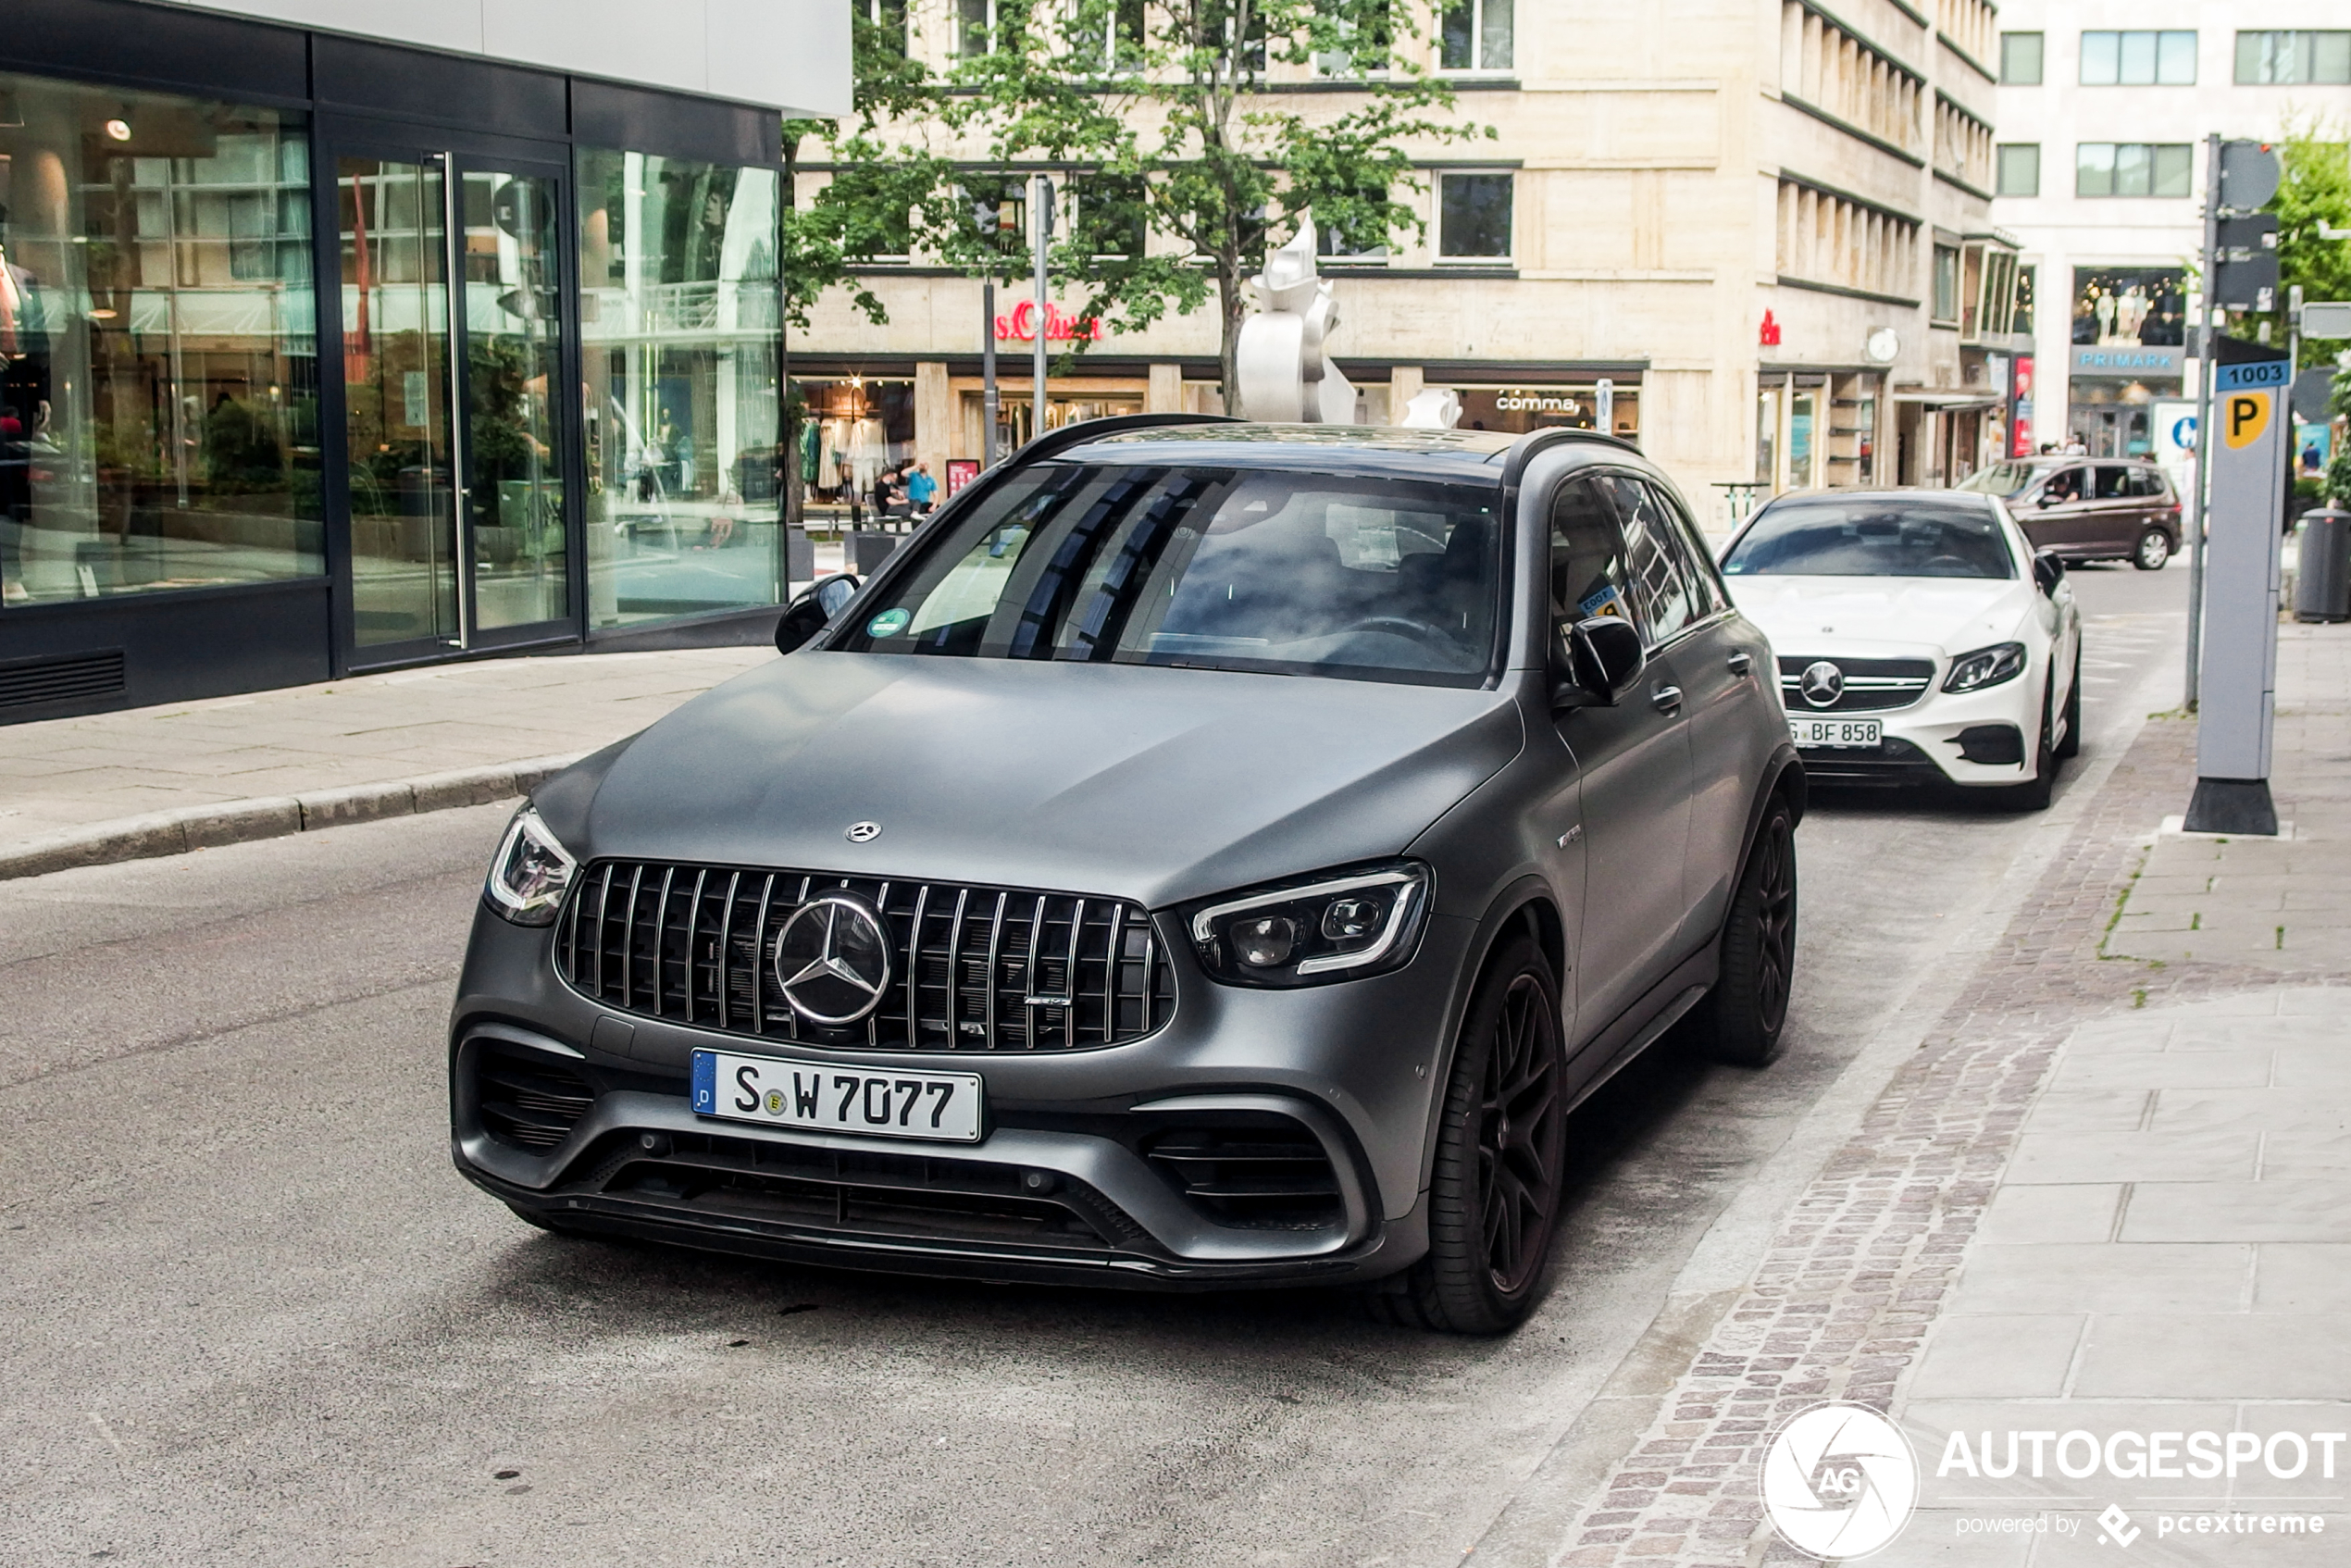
{"x":1183,"y":157}
{"x":2314,"y":189}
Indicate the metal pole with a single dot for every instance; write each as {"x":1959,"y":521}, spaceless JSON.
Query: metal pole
{"x":988,"y":403}
{"x":1040,"y":207}
{"x":2206,"y":351}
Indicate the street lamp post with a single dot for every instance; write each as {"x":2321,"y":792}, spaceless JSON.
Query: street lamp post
{"x":988,"y":401}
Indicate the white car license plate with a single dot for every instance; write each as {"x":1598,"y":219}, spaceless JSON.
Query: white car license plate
{"x":1834,"y":731}
{"x":818,"y":1097}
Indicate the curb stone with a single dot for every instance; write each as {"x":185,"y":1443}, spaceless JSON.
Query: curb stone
{"x":236,"y":822}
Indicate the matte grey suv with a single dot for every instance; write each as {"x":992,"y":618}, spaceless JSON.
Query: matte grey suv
{"x":1207,"y":855}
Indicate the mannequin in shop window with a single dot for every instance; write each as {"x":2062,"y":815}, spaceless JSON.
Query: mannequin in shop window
{"x":24,"y":408}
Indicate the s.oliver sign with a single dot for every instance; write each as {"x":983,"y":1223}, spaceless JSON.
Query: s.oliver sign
{"x":1019,"y":325}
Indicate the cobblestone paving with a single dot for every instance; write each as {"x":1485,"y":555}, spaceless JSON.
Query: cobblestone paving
{"x":1847,"y":1289}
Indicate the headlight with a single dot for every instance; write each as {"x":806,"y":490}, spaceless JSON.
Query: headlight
{"x":1335,"y":928}
{"x":1985,"y":667}
{"x":527,"y":878}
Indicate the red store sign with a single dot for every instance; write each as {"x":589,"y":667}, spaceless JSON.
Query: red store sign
{"x":1060,"y":326}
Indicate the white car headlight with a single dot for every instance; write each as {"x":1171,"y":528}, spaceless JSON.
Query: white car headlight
{"x":531,"y":872}
{"x":1985,"y":667}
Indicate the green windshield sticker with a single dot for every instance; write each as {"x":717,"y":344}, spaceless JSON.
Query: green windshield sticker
{"x":889,"y":623}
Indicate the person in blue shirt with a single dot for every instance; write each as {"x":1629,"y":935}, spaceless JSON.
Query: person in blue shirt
{"x":921,"y":491}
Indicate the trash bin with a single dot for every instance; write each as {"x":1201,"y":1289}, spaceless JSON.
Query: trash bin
{"x":800,"y":555}
{"x":2322,"y":571}
{"x":868,"y":549}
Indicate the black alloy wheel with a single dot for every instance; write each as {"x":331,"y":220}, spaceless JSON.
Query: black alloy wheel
{"x":2040,"y":789}
{"x":1746,"y":1011}
{"x":2154,"y":549}
{"x":1494,"y":1196}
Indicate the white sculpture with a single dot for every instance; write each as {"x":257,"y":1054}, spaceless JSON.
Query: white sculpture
{"x":1438,"y":408}
{"x":1284,"y":373}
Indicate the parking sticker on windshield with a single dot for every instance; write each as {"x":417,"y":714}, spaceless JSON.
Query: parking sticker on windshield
{"x":889,"y":623}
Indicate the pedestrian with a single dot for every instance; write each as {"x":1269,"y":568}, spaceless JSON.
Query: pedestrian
{"x":2077,"y":447}
{"x":922,"y":491}
{"x":885,"y":495}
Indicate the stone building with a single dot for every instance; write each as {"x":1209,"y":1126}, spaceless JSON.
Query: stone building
{"x":1751,"y":233}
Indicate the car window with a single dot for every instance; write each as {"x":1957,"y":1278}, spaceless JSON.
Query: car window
{"x":1288,"y":572}
{"x":1998,"y":479}
{"x":1872,"y":535}
{"x":2146,"y":483}
{"x":1659,"y":592}
{"x":1588,"y":576}
{"x":2115,"y":482}
{"x":1707,"y":593}
{"x":2066,"y":484}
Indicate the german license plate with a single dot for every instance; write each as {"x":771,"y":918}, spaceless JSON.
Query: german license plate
{"x":1834,"y":731}
{"x":817,"y":1097}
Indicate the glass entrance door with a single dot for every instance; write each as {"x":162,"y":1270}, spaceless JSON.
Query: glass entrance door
{"x":452,"y":340}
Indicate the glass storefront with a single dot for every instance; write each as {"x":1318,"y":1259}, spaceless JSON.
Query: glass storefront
{"x":1516,"y":410}
{"x":681,"y":323}
{"x":158,"y":354}
{"x":2130,"y":304}
{"x":851,"y":431}
{"x":1015,"y":423}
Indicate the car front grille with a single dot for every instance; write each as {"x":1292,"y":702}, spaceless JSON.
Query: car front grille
{"x":1870,"y":685}
{"x":971,"y":968}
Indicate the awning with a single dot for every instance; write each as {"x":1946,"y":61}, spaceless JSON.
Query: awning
{"x":1950,"y":403}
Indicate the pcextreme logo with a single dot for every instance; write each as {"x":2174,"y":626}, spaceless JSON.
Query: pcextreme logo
{"x":1840,"y":1481}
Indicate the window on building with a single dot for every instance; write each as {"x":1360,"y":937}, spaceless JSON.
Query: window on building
{"x":1365,"y":37}
{"x":158,"y":358}
{"x":999,"y":206}
{"x":2141,"y":306}
{"x":1946,"y":285}
{"x":2138,"y":59}
{"x":2020,"y":59}
{"x":2019,"y":170}
{"x":2293,"y":59}
{"x":888,"y":20}
{"x":979,"y":24}
{"x":681,"y":318}
{"x":1119,"y":46}
{"x":2133,"y":169}
{"x":1107,"y":214}
{"x":1475,"y":35}
{"x":2021,"y":320}
{"x":1473,"y":217}
{"x":1345,"y":235}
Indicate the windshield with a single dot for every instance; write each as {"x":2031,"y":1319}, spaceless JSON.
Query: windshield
{"x":2003,"y":480}
{"x":1872,"y":538}
{"x":1211,"y":568}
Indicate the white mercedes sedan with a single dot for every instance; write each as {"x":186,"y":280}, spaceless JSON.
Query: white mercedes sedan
{"x":1920,"y":639}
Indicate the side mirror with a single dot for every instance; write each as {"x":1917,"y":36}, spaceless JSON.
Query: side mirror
{"x":812,"y":611}
{"x":1602,"y":657}
{"x":2047,"y":498}
{"x":2048,"y":570}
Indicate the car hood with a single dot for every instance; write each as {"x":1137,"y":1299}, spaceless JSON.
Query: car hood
{"x":1153,"y":784}
{"x":1810,"y":614}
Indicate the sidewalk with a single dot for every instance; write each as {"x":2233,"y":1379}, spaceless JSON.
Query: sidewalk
{"x":182,"y":776}
{"x":2109,"y":1193}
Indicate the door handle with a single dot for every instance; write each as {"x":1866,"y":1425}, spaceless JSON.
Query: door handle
{"x":1739,"y":662}
{"x":1666,"y":699}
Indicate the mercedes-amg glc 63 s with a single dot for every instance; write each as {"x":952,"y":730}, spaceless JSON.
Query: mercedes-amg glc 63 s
{"x":1207,"y":855}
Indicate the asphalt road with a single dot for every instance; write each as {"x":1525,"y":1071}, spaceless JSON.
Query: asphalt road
{"x":253,"y":1317}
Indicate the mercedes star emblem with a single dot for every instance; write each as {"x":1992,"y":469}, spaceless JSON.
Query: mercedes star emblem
{"x":832,"y":959}
{"x":1823,"y":683}
{"x":862,"y":832}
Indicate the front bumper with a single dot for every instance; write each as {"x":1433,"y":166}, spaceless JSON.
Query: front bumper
{"x":1104,"y":1165}
{"x":1935,"y":739}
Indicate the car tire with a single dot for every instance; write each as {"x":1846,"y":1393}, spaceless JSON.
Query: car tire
{"x":1495,"y":1195}
{"x":2071,"y":745}
{"x":1742,"y":1018}
{"x":2037,"y":792}
{"x":2152,"y":551}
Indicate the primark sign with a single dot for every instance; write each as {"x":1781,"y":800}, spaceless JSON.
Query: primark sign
{"x":2127,"y":359}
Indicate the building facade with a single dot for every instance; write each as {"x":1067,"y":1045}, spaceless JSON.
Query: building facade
{"x":2103,"y":110}
{"x":1753,"y":234}
{"x":324,"y":351}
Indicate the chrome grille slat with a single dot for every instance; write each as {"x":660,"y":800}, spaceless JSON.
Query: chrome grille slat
{"x":928,"y":1005}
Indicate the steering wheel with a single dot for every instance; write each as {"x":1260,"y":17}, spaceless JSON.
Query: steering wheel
{"x":1397,"y":626}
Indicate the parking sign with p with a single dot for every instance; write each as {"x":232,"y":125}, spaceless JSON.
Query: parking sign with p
{"x":2244,"y":417}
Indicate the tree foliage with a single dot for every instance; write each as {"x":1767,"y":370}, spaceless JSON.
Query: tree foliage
{"x":2314,"y":188}
{"x":1185,"y":160}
